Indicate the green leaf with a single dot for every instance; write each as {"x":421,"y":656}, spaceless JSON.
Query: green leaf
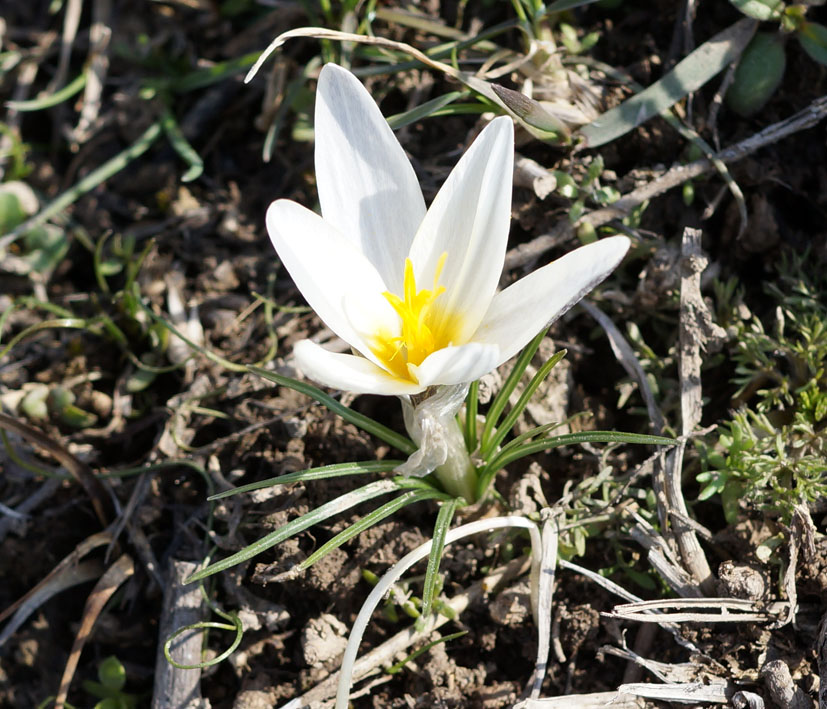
{"x":441,"y":526}
{"x":761,"y":10}
{"x":390,"y":437}
{"x":368,"y":520}
{"x":11,"y":211}
{"x":501,"y":400}
{"x":423,"y":110}
{"x":326,"y":471}
{"x":508,"y":456}
{"x":813,"y":38}
{"x":319,"y":514}
{"x":58,"y":97}
{"x":518,"y":408}
{"x":111,"y":673}
{"x":758,"y":75}
{"x":689,"y":75}
{"x":563,"y":5}
{"x":181,"y":146}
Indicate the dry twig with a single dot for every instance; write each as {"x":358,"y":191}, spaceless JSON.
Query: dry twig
{"x":183,"y":605}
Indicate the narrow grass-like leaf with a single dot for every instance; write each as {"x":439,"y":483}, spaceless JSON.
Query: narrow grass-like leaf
{"x":311,"y":474}
{"x":181,"y":146}
{"x":403,"y":482}
{"x":58,"y":97}
{"x":424,"y":110}
{"x":690,"y":74}
{"x":471,"y":404}
{"x":501,"y":400}
{"x":393,"y":669}
{"x":441,"y":527}
{"x":200,"y":78}
{"x":218,"y":359}
{"x":539,"y":430}
{"x":71,"y":323}
{"x":321,"y":513}
{"x":522,"y":402}
{"x":506,"y":457}
{"x":366,"y":423}
{"x":368,"y":521}
{"x":563,"y":5}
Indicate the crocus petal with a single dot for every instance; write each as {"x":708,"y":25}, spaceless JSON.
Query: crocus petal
{"x":527,"y":306}
{"x":348,"y":372}
{"x":367,"y":188}
{"x":325,"y":267}
{"x":469,"y":221}
{"x":456,"y":365}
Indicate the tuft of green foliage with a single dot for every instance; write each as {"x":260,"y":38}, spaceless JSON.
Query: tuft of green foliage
{"x":773,"y":452}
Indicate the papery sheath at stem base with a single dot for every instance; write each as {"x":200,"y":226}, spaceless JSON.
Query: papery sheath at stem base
{"x":431,"y":423}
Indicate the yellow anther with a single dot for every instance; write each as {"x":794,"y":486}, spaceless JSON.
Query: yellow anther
{"x":417,"y":337}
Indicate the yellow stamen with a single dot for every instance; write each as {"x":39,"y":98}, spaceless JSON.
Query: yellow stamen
{"x":418,"y":337}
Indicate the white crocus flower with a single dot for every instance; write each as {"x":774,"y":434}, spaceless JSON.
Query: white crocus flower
{"x":413,"y":290}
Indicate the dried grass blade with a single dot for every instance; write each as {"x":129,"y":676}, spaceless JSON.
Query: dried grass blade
{"x":112,"y":579}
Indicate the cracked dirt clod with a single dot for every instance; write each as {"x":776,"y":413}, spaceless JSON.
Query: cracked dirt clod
{"x":781,"y":687}
{"x":323,"y":639}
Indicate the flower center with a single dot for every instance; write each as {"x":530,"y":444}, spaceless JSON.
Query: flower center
{"x":420,"y":334}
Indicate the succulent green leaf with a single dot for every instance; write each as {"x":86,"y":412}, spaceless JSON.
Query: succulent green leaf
{"x":813,"y":38}
{"x":758,"y":75}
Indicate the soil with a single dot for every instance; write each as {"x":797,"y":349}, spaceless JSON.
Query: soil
{"x":206,"y":241}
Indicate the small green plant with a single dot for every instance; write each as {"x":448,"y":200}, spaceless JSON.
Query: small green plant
{"x":109,"y":688}
{"x":772,"y":452}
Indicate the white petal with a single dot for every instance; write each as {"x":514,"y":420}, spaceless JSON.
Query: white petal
{"x":348,"y":372}
{"x":469,"y":220}
{"x":327,"y":268}
{"x":457,"y":365}
{"x":527,"y":306}
{"x":367,"y":187}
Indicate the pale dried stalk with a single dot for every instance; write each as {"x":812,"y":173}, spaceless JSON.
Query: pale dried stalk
{"x":724,"y":610}
{"x":111,"y":580}
{"x":696,"y":328}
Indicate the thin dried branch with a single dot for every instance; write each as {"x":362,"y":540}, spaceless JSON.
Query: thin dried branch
{"x":102,"y":501}
{"x":691,"y":610}
{"x":597,"y":700}
{"x":183,"y":605}
{"x":70,"y":561}
{"x":693,"y":693}
{"x":551,"y":536}
{"x":695,"y":332}
{"x":673,"y":177}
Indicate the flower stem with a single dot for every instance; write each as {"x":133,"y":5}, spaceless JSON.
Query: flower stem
{"x":457,"y":474}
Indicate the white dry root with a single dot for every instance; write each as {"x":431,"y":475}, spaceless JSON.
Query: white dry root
{"x":398,"y":569}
